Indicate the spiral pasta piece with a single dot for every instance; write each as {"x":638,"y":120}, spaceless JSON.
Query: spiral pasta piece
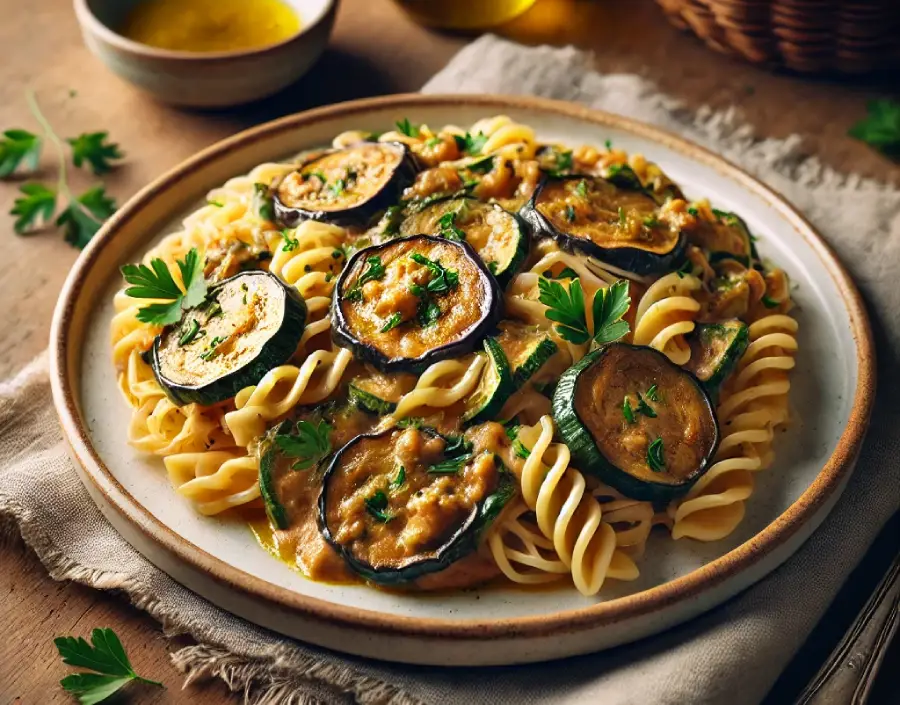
{"x":160,"y":427}
{"x":666,"y":313}
{"x":214,"y":481}
{"x":283,"y":388}
{"x":631,"y":519}
{"x":754,"y":404}
{"x":523,"y":554}
{"x":443,"y":384}
{"x":568,"y":514}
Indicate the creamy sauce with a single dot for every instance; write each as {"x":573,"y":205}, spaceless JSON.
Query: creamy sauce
{"x":342,"y":179}
{"x":682,"y":421}
{"x":387,"y":386}
{"x":210,"y":25}
{"x":608,"y":216}
{"x":231,"y":329}
{"x":461,"y":307}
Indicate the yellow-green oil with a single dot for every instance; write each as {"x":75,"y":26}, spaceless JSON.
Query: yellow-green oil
{"x":464,"y":14}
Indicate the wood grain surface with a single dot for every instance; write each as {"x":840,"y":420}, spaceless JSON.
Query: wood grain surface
{"x":375,"y":50}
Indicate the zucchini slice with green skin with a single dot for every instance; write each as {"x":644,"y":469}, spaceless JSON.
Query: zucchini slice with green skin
{"x":527,"y":349}
{"x":269,"y":472}
{"x":407,"y":303}
{"x":249,"y":324}
{"x":378,"y":392}
{"x":499,"y":237}
{"x":345,"y":186}
{"x":617,"y":225}
{"x":716,"y":349}
{"x":404,"y":503}
{"x":494,"y":388}
{"x":636,"y":421}
{"x":726,"y":236}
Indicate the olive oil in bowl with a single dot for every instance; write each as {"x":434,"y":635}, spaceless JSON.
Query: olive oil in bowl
{"x":464,"y":14}
{"x":210,"y":25}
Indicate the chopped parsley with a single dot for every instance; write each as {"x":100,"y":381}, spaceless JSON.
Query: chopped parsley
{"x":398,"y":481}
{"x":377,"y":506}
{"x":693,"y":211}
{"x":442,"y":279}
{"x":392,"y":322}
{"x":290,"y":243}
{"x":653,"y":392}
{"x":408,"y":128}
{"x":471,"y":144}
{"x":374,"y":270}
{"x":570,"y":213}
{"x":309,"y":444}
{"x":644,"y":408}
{"x":581,"y":188}
{"x":621,"y":216}
{"x":448,"y":229}
{"x":769,"y":302}
{"x":434,"y":142}
{"x":192,"y":330}
{"x":627,"y":411}
{"x":262,"y":204}
{"x":520,"y":450}
{"x":457,"y":453}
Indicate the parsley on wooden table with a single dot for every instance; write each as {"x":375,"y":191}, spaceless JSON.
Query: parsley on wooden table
{"x":35,"y":207}
{"x":309,"y":444}
{"x":566,"y":308}
{"x":156,"y":282}
{"x":880,"y":129}
{"x":105,"y":657}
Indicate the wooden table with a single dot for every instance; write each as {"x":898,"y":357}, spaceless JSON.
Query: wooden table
{"x":375,"y":50}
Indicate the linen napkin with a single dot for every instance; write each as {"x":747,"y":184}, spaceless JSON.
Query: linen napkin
{"x":731,"y":655}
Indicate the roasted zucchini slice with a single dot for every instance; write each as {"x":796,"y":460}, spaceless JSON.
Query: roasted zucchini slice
{"x":637,"y":421}
{"x":494,"y":388}
{"x":405,"y":503}
{"x":726,"y":235}
{"x":247,"y":325}
{"x":617,"y":225}
{"x":716,"y":349}
{"x":409,"y":302}
{"x":527,"y":349}
{"x":499,"y":237}
{"x":345,"y":186}
{"x":378,"y":392}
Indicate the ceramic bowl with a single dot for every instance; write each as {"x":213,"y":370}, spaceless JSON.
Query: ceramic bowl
{"x":209,"y":79}
{"x":832,"y":389}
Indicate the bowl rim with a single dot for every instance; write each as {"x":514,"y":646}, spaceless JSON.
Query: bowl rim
{"x":750,"y":553}
{"x":90,"y":22}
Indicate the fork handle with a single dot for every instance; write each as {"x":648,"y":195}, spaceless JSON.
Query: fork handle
{"x":849,"y":672}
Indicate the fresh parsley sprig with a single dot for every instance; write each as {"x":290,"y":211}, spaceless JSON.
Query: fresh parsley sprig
{"x":93,"y":148}
{"x":19,"y":148}
{"x":105,"y":657}
{"x":442,"y":279}
{"x":880,"y":129}
{"x":566,"y":308}
{"x":310,"y":444}
{"x":408,"y":128}
{"x":156,"y":282}
{"x":471,"y":144}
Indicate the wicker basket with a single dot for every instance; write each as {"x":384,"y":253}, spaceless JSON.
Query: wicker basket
{"x":811,"y":36}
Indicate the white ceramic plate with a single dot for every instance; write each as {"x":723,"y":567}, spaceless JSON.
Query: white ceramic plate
{"x":219,"y":559}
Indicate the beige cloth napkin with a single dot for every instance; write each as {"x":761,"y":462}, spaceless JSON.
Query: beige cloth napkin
{"x":731,"y":655}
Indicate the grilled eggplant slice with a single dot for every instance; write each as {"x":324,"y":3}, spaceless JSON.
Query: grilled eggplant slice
{"x":345,"y":186}
{"x":404,"y":503}
{"x":727,"y":235}
{"x":499,"y":237}
{"x":716,"y":349}
{"x":249,"y":324}
{"x":637,"y":421}
{"x":617,"y":225}
{"x":409,"y":302}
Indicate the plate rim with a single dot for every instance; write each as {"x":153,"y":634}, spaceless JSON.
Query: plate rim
{"x":746,"y":555}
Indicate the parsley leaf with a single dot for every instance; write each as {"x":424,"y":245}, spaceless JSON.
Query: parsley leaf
{"x":398,"y":481}
{"x":627,"y":411}
{"x":408,"y":128}
{"x":374,"y":270}
{"x":566,"y":308}
{"x":644,"y":408}
{"x":471,"y":144}
{"x":442,"y":279}
{"x":106,"y":656}
{"x":83,"y":216}
{"x":565,"y":273}
{"x":35,"y":207}
{"x":447,"y":224}
{"x":880,"y":129}
{"x":655,"y":458}
{"x":377,"y":506}
{"x":92,"y":147}
{"x":262,"y":204}
{"x":653,"y":392}
{"x":156,"y":282}
{"x":19,"y":148}
{"x":392,"y":322}
{"x":570,"y":213}
{"x":310,"y":444}
{"x":609,"y":306}
{"x":290,"y":243}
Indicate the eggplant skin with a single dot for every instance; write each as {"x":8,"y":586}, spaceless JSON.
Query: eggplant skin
{"x":630,"y":259}
{"x":464,"y":541}
{"x":276,"y":351}
{"x":403,"y":175}
{"x":343,"y":336}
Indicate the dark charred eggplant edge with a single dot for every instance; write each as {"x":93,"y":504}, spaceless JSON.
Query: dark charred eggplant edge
{"x":588,"y":457}
{"x":276,"y":351}
{"x":627,"y":258}
{"x":403,"y":175}
{"x":464,"y":541}
{"x":342,"y":335}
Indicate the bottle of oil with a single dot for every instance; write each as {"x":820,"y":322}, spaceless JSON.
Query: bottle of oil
{"x":464,"y":14}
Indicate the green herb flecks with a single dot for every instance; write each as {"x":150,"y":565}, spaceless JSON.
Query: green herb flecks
{"x":262,"y":204}
{"x":655,"y":457}
{"x":290,"y":243}
{"x":398,"y":481}
{"x":212,"y":348}
{"x":156,"y":282}
{"x":457,"y":453}
{"x":309,"y":443}
{"x":685,"y":269}
{"x":653,"y":392}
{"x":374,"y":270}
{"x":442,"y":279}
{"x":408,"y":128}
{"x":627,"y":411}
{"x":570,"y":213}
{"x":644,"y":408}
{"x":520,"y":450}
{"x":622,"y":219}
{"x":448,"y":228}
{"x":433,"y":142}
{"x":108,"y":665}
{"x":411,"y":422}
{"x":471,"y":144}
{"x":581,"y":189}
{"x":190,"y":333}
{"x":34,"y":208}
{"x":216,"y":203}
{"x":394,"y":320}
{"x":377,"y":506}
